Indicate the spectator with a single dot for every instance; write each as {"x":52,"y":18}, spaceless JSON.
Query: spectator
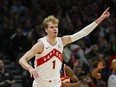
{"x":6,"y":77}
{"x":108,"y":77}
{"x":68,"y":78}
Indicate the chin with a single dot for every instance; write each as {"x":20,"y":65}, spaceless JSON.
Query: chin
{"x":55,"y":35}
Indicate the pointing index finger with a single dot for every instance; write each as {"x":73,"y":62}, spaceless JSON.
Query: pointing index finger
{"x":107,"y":9}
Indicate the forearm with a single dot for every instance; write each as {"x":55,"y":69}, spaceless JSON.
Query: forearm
{"x":25,"y":64}
{"x":25,"y":58}
{"x":77,"y":84}
{"x":98,"y":21}
{"x":95,"y":73}
{"x":85,"y":31}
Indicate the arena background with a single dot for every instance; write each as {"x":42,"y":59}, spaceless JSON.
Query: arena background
{"x":21,"y":27}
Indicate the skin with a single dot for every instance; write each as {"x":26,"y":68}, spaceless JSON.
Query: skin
{"x":73,"y":77}
{"x":52,"y":32}
{"x":100,"y":66}
{"x":95,"y":72}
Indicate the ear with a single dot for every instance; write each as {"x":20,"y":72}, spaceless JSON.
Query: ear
{"x":46,"y":30}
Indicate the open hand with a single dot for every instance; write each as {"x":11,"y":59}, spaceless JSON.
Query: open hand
{"x":101,"y":65}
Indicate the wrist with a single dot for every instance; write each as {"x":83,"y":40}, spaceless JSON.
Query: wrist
{"x":30,"y":68}
{"x":99,"y":20}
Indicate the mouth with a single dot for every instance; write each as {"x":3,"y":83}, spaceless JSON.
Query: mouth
{"x":55,"y":32}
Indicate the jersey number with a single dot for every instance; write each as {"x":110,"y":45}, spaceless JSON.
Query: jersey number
{"x":54,"y":64}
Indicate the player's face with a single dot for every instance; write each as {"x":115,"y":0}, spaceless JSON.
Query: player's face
{"x":52,"y":29}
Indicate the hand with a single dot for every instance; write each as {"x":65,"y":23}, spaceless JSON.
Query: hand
{"x":33,"y":73}
{"x":105,"y":14}
{"x":100,"y":65}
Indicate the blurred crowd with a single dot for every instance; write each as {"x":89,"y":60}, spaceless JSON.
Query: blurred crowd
{"x":21,"y":27}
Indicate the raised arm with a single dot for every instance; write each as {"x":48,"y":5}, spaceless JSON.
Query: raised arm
{"x":95,"y":72}
{"x":85,"y":31}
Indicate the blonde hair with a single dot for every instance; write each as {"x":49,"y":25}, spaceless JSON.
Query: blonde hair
{"x":50,"y":18}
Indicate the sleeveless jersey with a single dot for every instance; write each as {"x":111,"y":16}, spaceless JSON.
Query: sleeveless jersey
{"x":48,"y":64}
{"x":63,"y":76}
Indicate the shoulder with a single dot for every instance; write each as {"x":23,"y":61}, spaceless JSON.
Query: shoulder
{"x":42,"y":39}
{"x":39,"y":43}
{"x":68,"y":71}
{"x":66,"y":39}
{"x":39,"y":47}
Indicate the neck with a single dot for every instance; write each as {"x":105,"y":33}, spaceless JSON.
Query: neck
{"x":51,"y":40}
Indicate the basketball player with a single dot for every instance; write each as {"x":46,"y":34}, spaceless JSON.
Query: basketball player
{"x":108,"y":77}
{"x":67,"y":75}
{"x":48,"y":52}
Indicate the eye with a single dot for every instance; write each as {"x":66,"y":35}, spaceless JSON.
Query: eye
{"x":56,"y":26}
{"x":52,"y":27}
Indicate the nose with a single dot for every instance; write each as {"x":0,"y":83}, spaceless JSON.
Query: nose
{"x":55,"y":28}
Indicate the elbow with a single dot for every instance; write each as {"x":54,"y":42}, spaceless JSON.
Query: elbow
{"x":95,"y":75}
{"x":19,"y":61}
